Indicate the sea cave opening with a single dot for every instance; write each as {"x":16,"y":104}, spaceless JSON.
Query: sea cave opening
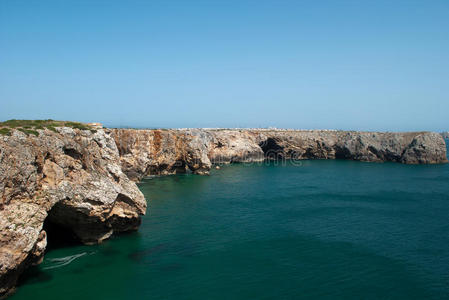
{"x":58,"y":235}
{"x":271,"y":149}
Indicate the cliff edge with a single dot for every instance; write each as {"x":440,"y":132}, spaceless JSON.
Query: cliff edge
{"x":69,"y":176}
{"x":161,"y":152}
{"x":81,"y":178}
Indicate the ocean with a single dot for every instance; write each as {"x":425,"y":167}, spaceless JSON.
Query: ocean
{"x":315,"y":229}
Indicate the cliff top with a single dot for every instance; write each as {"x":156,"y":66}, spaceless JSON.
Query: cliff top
{"x":269,"y":130}
{"x":30,"y":126}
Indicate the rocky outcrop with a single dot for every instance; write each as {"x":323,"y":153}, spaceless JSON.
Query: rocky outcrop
{"x":228,"y":146}
{"x":162,"y":152}
{"x":407,"y":147}
{"x":79,"y":179}
{"x":69,"y":176}
{"x":158,"y":152}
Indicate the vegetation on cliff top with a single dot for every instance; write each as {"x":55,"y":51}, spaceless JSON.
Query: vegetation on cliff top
{"x":31,"y":126}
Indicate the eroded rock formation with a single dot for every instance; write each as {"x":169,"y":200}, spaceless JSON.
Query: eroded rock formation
{"x":156,"y":152}
{"x":80,"y":179}
{"x":406,"y":147}
{"x":74,"y":178}
{"x":162,"y":152}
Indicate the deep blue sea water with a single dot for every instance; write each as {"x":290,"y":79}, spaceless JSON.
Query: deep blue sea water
{"x":321,"y":230}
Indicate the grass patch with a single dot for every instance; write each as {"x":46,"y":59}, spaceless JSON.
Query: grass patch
{"x":77,"y":125}
{"x":52,"y":128}
{"x":5,"y":131}
{"x":29,"y":131}
{"x":31,"y":126}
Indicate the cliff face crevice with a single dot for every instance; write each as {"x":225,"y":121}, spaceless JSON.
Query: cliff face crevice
{"x":71,"y":177}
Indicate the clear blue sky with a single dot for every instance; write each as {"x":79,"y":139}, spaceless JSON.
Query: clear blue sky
{"x":368,"y":65}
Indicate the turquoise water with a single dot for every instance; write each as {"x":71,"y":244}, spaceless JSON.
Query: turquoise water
{"x":321,"y":230}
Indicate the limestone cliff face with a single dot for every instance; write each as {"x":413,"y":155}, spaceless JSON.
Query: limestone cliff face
{"x":228,"y":146}
{"x":407,"y":147}
{"x":72,"y":177}
{"x":80,"y":179}
{"x":156,"y":152}
{"x":162,"y":152}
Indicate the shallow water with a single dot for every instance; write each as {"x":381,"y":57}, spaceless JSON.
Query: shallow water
{"x":321,"y":230}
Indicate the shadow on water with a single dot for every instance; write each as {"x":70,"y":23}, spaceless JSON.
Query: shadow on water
{"x":140,"y":255}
{"x":34,"y":275}
{"x":57,"y":237}
{"x":62,"y":238}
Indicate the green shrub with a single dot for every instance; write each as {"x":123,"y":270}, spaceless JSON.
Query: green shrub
{"x":28,"y":131}
{"x":30,"y":126}
{"x":5,"y":131}
{"x":77,"y":125}
{"x":52,"y":128}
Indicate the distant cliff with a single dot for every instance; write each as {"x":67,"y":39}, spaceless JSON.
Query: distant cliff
{"x":80,"y":177}
{"x":159,"y":152}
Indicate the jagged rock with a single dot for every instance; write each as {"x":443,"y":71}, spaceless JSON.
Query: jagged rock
{"x":319,"y":145}
{"x":162,"y":152}
{"x":228,"y":146}
{"x":426,"y":148}
{"x":142,"y":152}
{"x":74,"y":178}
{"x":407,"y":147}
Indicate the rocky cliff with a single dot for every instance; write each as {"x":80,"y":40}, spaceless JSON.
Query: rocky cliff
{"x":156,"y":152}
{"x":162,"y":152}
{"x":70,"y":177}
{"x":78,"y":178}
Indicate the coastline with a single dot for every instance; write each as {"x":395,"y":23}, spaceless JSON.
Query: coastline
{"x":83,"y":179}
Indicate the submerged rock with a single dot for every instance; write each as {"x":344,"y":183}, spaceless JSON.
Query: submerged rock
{"x":72,"y":177}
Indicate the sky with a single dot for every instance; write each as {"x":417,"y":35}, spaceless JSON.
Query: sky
{"x":355,"y":65}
